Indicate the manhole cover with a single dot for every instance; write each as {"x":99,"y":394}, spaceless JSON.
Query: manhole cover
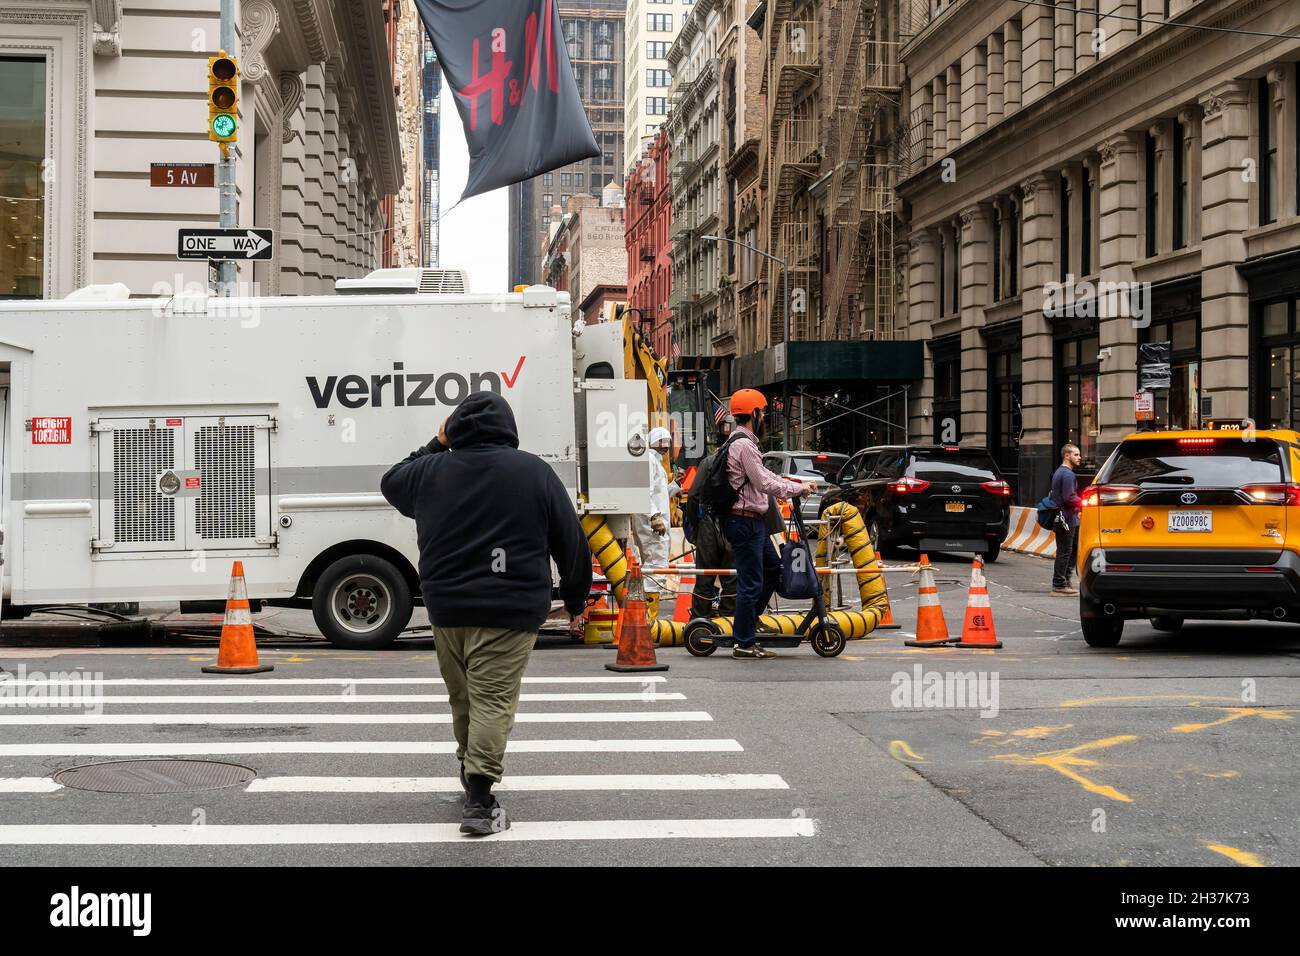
{"x":155,"y":776}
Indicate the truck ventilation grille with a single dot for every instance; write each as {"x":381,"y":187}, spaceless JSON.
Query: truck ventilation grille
{"x":442,"y":280}
{"x":227,"y":503}
{"x":140,"y":513}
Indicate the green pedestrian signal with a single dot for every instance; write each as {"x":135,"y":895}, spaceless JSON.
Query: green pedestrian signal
{"x":223,"y":125}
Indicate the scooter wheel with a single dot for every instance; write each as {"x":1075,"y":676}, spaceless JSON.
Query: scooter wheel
{"x":827,"y":641}
{"x":699,"y":638}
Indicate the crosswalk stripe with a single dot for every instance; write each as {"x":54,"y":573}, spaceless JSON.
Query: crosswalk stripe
{"x":593,"y":717}
{"x":29,"y":785}
{"x":363,"y":747}
{"x":365,"y":833}
{"x":583,"y":781}
{"x":301,"y":681}
{"x":9,"y":701}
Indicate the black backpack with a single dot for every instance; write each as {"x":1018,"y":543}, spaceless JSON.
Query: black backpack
{"x":711,"y":494}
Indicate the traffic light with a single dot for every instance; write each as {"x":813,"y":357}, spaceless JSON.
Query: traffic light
{"x":223,"y":98}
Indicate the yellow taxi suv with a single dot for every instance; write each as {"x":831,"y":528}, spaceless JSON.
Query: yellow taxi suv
{"x":1185,"y":525}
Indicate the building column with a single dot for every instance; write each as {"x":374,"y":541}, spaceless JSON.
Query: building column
{"x":974,"y":92}
{"x":954,"y":107}
{"x":1284,"y":116}
{"x":1161,"y":133}
{"x":333,"y":222}
{"x":923,"y":142}
{"x":939,"y":99}
{"x":1038,"y":267}
{"x":1065,"y":40}
{"x":315,"y":199}
{"x":921,"y":315}
{"x":1225,"y":209}
{"x":1039,"y":52}
{"x":1012,"y":67}
{"x":976,"y":272}
{"x":1117,"y":25}
{"x":1190,"y":118}
{"x":995,"y":78}
{"x":292,"y":183}
{"x":1085,"y":27}
{"x":1119,"y":226}
{"x":1073,"y":174}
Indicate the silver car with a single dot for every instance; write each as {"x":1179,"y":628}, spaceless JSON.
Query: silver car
{"x":818,"y":466}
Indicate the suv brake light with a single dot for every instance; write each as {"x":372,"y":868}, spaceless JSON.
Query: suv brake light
{"x":996,"y":487}
{"x":909,"y":485}
{"x":1095,"y":495}
{"x":1273,"y":494}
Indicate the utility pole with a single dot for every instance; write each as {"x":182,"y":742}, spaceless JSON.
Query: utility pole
{"x":226,"y":170}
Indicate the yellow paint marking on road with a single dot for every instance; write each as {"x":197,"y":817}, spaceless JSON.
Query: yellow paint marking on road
{"x":1062,"y":761}
{"x":899,"y":750}
{"x":1236,"y":713}
{"x":1088,"y":701}
{"x":1221,"y":774}
{"x":1235,"y":855}
{"x":846,"y":657}
{"x":1037,"y":733}
{"x":293,"y":660}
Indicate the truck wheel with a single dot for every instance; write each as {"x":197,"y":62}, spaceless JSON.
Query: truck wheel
{"x":1102,"y":632}
{"x":995,"y":549}
{"x":361,"y":603}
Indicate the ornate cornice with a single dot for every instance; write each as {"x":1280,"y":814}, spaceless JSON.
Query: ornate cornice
{"x":291,"y":93}
{"x":108,"y":27}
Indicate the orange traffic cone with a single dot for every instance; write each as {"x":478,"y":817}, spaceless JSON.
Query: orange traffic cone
{"x":931,"y":628}
{"x":685,"y":592}
{"x":636,"y":648}
{"x":977,"y":630}
{"x":238,"y":652}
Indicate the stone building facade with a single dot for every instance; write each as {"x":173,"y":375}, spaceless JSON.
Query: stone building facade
{"x":94,"y":91}
{"x":652,"y":26}
{"x":1088,"y":179}
{"x":694,"y":127}
{"x":587,"y":256}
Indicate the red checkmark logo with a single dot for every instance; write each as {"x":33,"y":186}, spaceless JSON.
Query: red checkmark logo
{"x":511,"y":379}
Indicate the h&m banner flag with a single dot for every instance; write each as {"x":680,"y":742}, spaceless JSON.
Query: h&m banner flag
{"x":509,"y":70}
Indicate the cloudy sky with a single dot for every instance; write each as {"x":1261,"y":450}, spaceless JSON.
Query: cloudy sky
{"x":474,"y":235}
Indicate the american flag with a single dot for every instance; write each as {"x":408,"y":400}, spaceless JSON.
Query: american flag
{"x":676,"y":348}
{"x":719,"y":414}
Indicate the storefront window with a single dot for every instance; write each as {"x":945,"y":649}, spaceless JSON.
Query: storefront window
{"x":22,"y":180}
{"x":1078,"y":418}
{"x":1278,"y":390}
{"x":947,"y":395}
{"x":1004,"y":405}
{"x":1179,"y":406}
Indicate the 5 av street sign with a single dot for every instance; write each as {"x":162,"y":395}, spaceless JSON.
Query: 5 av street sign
{"x":244,"y":245}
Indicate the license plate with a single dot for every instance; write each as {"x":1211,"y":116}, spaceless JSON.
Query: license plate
{"x":1191,"y":521}
{"x":956,"y":507}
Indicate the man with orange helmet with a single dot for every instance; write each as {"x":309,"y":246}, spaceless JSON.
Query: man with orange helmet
{"x":758,"y":568}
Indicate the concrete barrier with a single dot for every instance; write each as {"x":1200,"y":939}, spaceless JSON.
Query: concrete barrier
{"x":1024,"y":534}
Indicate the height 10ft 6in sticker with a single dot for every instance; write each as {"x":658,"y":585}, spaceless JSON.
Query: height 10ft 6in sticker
{"x":51,"y":431}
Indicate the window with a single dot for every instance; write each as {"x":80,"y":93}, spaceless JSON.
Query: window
{"x":548,"y":200}
{"x":956,"y":271}
{"x":578,"y":180}
{"x":1078,"y":387}
{"x":657,"y":50}
{"x":943,"y":274}
{"x":1178,"y":406}
{"x":658,"y":78}
{"x":566,"y":179}
{"x":1268,"y":156}
{"x":1153,"y":196}
{"x":564,"y":201}
{"x":22,"y":179}
{"x":1063,"y":236}
{"x":1085,"y":238}
{"x":947,"y":393}
{"x":1013,"y":250}
{"x":1005,"y":380}
{"x":548,"y":179}
{"x":1278,"y":398}
{"x":660,"y":22}
{"x":997,"y":253}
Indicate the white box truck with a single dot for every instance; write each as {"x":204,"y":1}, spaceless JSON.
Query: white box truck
{"x":147,"y":443}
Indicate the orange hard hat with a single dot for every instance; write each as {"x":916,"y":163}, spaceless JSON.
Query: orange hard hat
{"x":747,"y":401}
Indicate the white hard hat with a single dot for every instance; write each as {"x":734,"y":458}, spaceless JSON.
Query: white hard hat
{"x":660,"y":435}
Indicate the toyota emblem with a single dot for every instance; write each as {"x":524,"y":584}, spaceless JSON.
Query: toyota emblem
{"x":1188,"y":498}
{"x":956,"y":489}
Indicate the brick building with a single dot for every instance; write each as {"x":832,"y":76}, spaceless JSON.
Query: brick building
{"x":648,"y":216}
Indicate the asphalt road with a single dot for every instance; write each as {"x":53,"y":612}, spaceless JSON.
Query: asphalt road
{"x":1170,"y":749}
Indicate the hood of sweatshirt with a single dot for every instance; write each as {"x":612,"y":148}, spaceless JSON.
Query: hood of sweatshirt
{"x":484,"y":418}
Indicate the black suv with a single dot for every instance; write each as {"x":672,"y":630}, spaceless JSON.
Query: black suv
{"x":932,"y":497}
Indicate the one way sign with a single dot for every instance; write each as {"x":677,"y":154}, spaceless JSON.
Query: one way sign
{"x":245,"y":245}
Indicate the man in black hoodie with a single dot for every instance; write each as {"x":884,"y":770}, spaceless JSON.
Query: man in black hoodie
{"x":489,"y":518}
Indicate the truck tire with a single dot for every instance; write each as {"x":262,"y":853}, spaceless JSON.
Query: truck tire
{"x":993,"y":553}
{"x":361,"y":603}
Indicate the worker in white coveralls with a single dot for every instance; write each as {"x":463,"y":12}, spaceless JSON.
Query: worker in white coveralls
{"x":652,"y":530}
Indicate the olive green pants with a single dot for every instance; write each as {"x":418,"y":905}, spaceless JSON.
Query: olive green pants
{"x":483,"y":668}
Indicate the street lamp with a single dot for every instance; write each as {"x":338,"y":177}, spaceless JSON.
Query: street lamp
{"x":785,"y":329}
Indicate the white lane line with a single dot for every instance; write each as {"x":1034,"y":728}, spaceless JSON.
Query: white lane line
{"x":366,"y":747}
{"x":339,"y":698}
{"x":584,"y":781}
{"x":102,"y":720}
{"x":302,"y":681}
{"x":366,"y":833}
{"x":28,"y":785}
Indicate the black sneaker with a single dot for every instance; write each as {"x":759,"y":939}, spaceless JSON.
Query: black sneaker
{"x":754,"y":652}
{"x":478,"y":819}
